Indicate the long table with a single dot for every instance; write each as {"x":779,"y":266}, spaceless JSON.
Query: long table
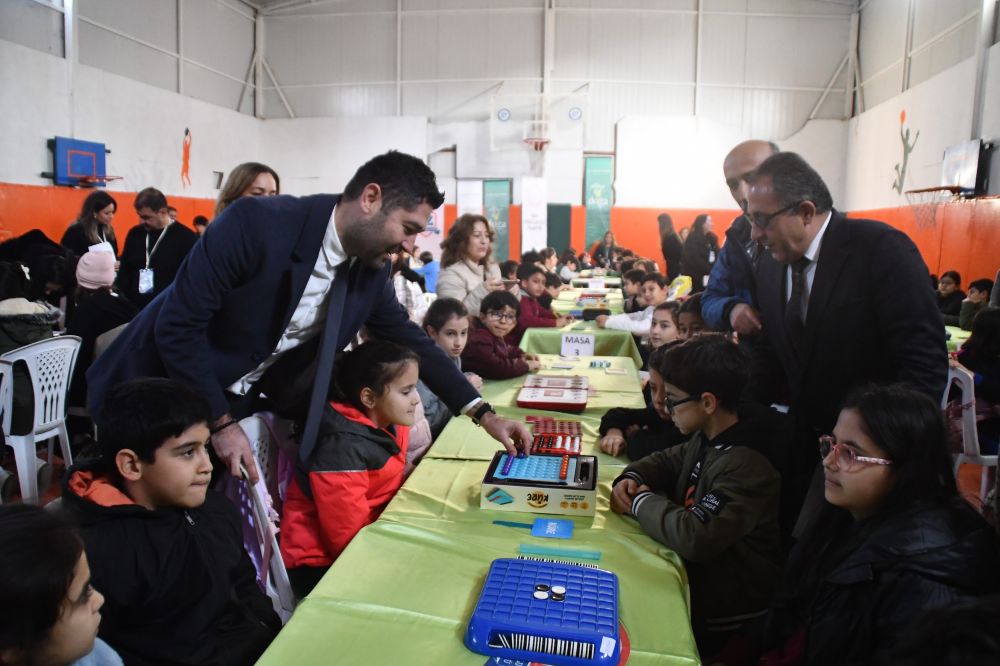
{"x":957,"y":337}
{"x":607,"y":342}
{"x":403,"y":590}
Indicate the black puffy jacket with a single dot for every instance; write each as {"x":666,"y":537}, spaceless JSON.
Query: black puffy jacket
{"x":925,"y":557}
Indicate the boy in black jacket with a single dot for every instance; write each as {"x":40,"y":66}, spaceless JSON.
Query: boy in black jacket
{"x":713,"y":499}
{"x":166,"y":552}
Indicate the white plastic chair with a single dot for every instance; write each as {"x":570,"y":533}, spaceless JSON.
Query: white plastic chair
{"x":970,"y":454}
{"x":50,"y":366}
{"x":276,"y":583}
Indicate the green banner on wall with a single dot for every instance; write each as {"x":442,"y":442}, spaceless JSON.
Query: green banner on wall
{"x":496,"y":206}
{"x":598,"y":176}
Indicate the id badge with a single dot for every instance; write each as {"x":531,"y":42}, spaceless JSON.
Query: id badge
{"x":145,"y":280}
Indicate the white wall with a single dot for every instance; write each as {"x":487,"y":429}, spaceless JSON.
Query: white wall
{"x":940,"y":108}
{"x":677,"y":162}
{"x":142,"y":125}
{"x":321,"y":154}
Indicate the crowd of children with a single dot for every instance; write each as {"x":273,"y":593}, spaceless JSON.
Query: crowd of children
{"x":146,"y":556}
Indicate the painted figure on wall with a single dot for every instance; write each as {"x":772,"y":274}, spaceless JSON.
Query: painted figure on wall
{"x":186,"y":159}
{"x":904,"y":135}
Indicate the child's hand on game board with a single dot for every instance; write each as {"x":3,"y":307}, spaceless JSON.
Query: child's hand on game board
{"x":622,"y":495}
{"x":564,"y":320}
{"x":601,"y":320}
{"x":533,"y":366}
{"x":613,"y":442}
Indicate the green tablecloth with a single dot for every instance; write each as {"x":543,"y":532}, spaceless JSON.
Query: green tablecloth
{"x":404,"y":589}
{"x":958,"y":337}
{"x":590,"y":273}
{"x":566,"y":302}
{"x":607,"y":342}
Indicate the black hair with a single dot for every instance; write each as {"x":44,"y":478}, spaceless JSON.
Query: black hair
{"x":200,"y":221}
{"x":666,"y":224}
{"x":955,"y":276}
{"x":982,"y":284}
{"x":569,"y":256}
{"x":547,"y":253}
{"x":628,"y":265}
{"x":13,"y":281}
{"x":150,"y":198}
{"x":530,"y":257}
{"x":553,"y":280}
{"x":691,"y":304}
{"x":698,"y":226}
{"x":985,"y":339}
{"x":673,"y":307}
{"x":709,"y":363}
{"x":405,"y":181}
{"x":141,"y":414}
{"x":508,"y":268}
{"x":441,"y":311}
{"x":794,"y":181}
{"x":659,"y":278}
{"x":910,"y":428}
{"x":39,"y":553}
{"x":527,"y":269}
{"x":95,"y":202}
{"x":372,"y":365}
{"x":496,"y":301}
{"x":634,"y":275}
{"x":426,"y":257}
{"x":51,"y":269}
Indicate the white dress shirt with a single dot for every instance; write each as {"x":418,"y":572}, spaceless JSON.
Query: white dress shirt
{"x":812,"y":252}
{"x":310,"y":313}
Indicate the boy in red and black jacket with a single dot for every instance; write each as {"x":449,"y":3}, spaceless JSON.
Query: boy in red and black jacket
{"x":533,"y":313}
{"x":490,"y":352}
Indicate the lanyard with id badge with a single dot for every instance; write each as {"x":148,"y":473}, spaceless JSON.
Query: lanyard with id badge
{"x":146,"y":274}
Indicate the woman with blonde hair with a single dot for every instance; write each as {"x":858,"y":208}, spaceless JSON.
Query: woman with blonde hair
{"x":250,"y":179}
{"x":468,"y":271}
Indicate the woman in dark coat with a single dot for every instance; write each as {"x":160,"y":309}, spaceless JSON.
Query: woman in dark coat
{"x":700,"y":251}
{"x":93,"y":225}
{"x":895,"y":539}
{"x":671,"y":245}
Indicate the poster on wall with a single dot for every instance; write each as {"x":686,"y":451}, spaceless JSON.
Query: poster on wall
{"x":496,"y":207}
{"x":534,"y":214}
{"x":469,"y":197}
{"x":598,"y":175}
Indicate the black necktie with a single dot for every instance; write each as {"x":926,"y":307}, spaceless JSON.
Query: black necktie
{"x":327,"y":351}
{"x":794,"y":324}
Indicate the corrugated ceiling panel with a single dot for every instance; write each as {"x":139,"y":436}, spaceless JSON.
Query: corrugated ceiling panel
{"x":724,"y":51}
{"x":30,"y":24}
{"x":933,"y":16}
{"x":153,"y":21}
{"x":454,"y":102}
{"x":347,"y":101}
{"x":881,"y":36}
{"x":334,"y":49}
{"x":794,"y":51}
{"x":218,"y":37}
{"x":945,"y":53}
{"x":209,"y":87}
{"x":104,"y":50}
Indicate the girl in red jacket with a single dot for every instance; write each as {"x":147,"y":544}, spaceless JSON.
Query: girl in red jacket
{"x":357,"y":465}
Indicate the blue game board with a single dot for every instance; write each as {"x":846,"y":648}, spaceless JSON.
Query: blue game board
{"x":558,"y":614}
{"x":536,"y":468}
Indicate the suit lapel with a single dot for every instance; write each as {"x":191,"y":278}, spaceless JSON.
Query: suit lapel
{"x":305,"y":253}
{"x":832,"y":255}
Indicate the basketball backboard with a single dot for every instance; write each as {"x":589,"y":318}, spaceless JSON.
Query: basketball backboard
{"x":558,"y":118}
{"x":75,"y":162}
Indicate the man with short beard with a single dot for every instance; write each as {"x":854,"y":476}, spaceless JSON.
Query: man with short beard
{"x":274,"y":288}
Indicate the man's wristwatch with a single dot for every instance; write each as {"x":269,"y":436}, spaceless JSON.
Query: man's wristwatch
{"x":482,"y":410}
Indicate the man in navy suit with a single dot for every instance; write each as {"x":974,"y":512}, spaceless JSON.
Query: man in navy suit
{"x":843,"y":302}
{"x":275,"y":287}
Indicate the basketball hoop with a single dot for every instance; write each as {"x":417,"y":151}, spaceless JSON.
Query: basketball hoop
{"x":95,"y":181}
{"x":536,"y":143}
{"x":925,"y":202}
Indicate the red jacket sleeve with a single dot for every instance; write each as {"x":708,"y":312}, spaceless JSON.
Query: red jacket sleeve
{"x":534,"y":315}
{"x":342,"y":507}
{"x":483,"y":357}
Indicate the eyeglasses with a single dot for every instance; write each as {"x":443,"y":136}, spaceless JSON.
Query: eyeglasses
{"x":845,"y":457}
{"x":762,"y":220}
{"x":672,"y":404}
{"x":502,"y":316}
